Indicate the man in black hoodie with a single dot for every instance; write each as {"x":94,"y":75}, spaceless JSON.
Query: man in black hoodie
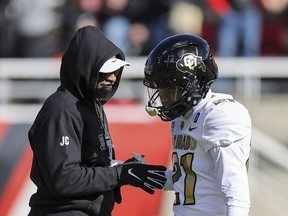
{"x":74,"y":166}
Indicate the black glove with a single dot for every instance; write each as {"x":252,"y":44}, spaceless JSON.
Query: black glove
{"x":147,"y":177}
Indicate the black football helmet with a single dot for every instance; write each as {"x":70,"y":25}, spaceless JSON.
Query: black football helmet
{"x":178,"y":74}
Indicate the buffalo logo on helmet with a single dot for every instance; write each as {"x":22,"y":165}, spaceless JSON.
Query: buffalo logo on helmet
{"x":188,"y":62}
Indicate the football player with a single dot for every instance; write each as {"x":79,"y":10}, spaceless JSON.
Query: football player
{"x":211,"y":132}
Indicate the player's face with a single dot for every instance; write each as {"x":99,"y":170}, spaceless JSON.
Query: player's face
{"x":169,"y":95}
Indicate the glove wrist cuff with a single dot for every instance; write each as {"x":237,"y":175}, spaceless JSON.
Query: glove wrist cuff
{"x":118,"y":170}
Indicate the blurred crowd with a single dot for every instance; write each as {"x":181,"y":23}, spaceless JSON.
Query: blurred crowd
{"x":42,"y":28}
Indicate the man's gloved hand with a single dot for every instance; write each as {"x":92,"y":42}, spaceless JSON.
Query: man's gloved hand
{"x":147,"y":177}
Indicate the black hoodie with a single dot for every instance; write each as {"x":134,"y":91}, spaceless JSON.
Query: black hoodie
{"x":71,"y":165}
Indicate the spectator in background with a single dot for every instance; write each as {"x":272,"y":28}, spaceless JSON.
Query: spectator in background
{"x":278,"y":10}
{"x":6,"y":38}
{"x":37,"y":26}
{"x":284,"y":38}
{"x":135,"y":25}
{"x":77,"y":14}
{"x":275,"y":6}
{"x":186,"y":16}
{"x":116,"y":24}
{"x":240,"y":27}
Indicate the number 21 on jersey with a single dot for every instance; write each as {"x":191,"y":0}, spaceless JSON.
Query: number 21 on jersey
{"x":190,"y":177}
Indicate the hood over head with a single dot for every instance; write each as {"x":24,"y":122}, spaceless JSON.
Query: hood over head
{"x":87,"y":52}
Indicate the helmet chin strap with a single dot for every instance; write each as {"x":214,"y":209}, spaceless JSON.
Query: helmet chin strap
{"x":194,"y":98}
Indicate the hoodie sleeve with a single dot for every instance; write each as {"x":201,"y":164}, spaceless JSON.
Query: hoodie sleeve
{"x":57,"y":148}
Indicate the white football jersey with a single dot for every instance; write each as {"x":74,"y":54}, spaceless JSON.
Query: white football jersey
{"x":211,"y":146}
